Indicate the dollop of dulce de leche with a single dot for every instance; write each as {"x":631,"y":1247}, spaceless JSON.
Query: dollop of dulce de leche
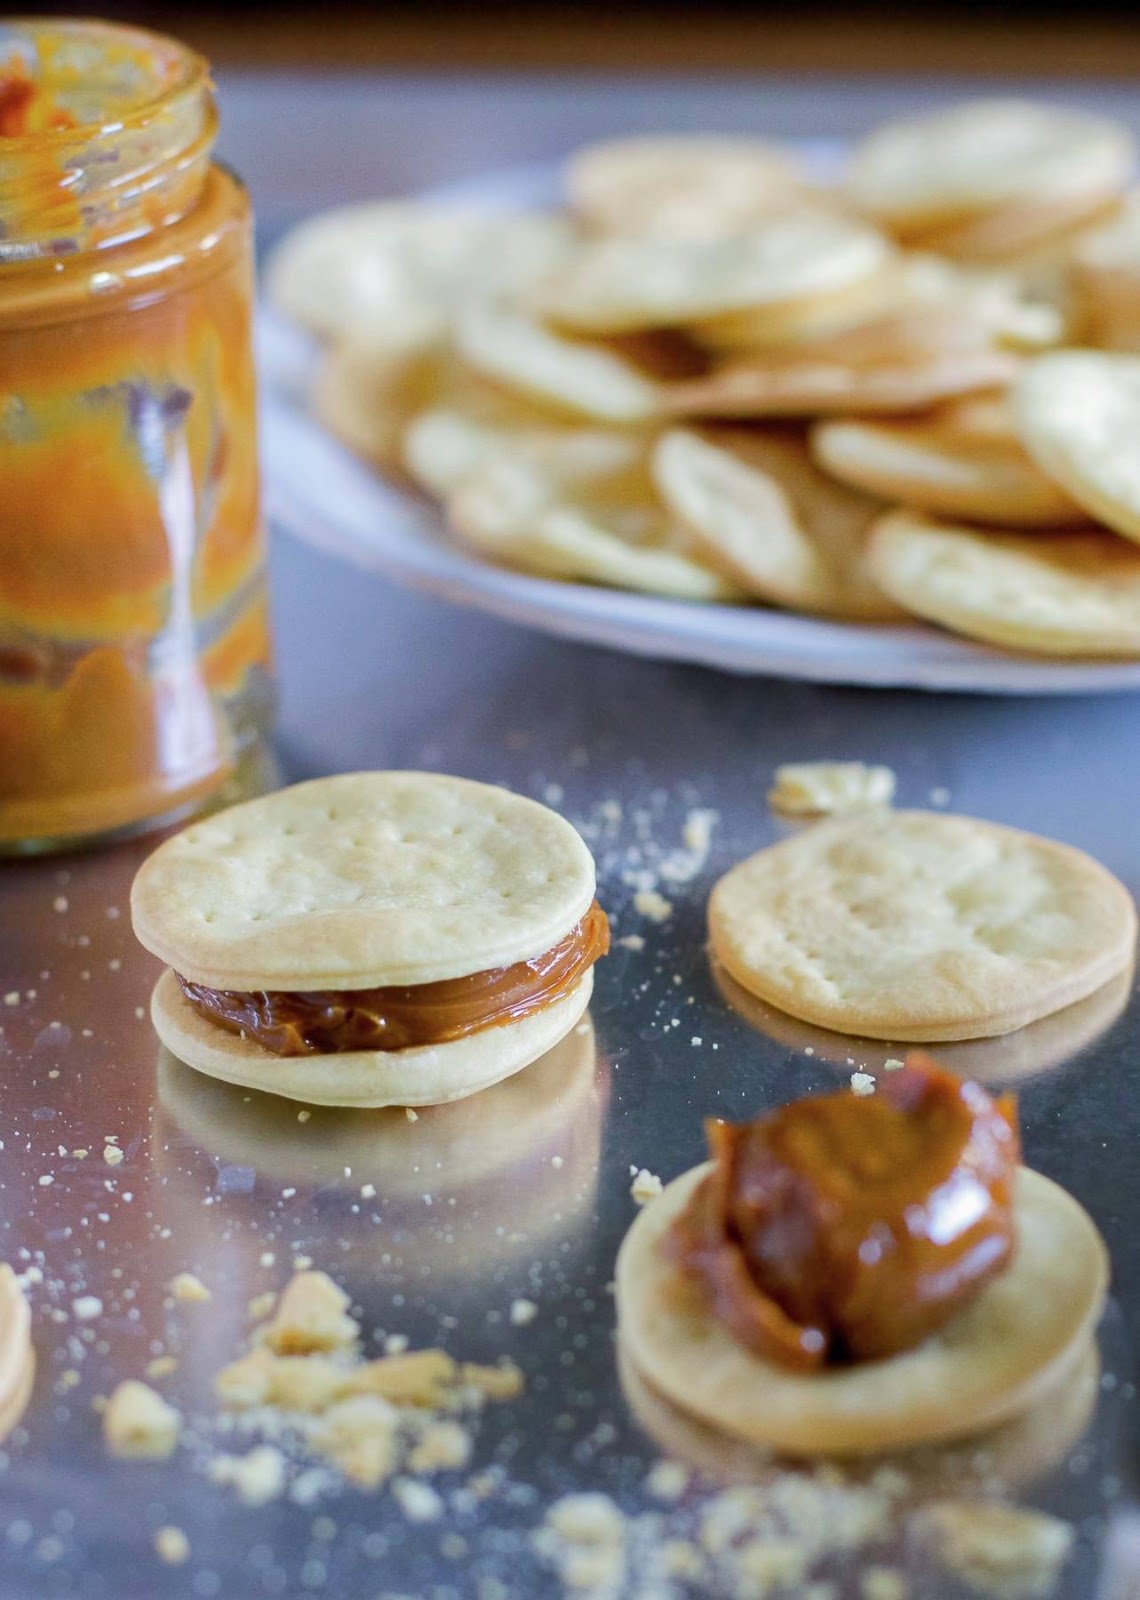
{"x":847,"y":1228}
{"x":328,"y":1021}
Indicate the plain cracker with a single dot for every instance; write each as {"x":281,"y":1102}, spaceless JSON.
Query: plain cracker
{"x":1055,"y":594}
{"x":913,"y":925}
{"x":363,"y":880}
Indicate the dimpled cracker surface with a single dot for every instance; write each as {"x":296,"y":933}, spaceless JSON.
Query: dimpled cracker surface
{"x":988,"y":1363}
{"x":912,"y":925}
{"x":362,"y":880}
{"x":1078,"y":412}
{"x":1054,"y":593}
{"x":423,"y":1075}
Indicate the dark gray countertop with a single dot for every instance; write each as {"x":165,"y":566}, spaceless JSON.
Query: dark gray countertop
{"x":372,"y":677}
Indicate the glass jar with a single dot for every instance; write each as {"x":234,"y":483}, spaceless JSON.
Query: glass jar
{"x":134,"y":642}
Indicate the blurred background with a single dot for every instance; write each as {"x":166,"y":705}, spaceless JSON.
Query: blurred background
{"x":1011,"y":42}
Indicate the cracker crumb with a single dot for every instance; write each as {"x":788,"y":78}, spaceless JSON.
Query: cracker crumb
{"x":1003,"y":1551}
{"x":258,"y":1477}
{"x":829,"y":788}
{"x":418,"y":1501}
{"x":645,"y":1187}
{"x":591,"y":1518}
{"x":304,"y":1116}
{"x":302,"y":1263}
{"x":87,"y":1308}
{"x":138,"y":1424}
{"x":504,"y":1382}
{"x":893,"y":1064}
{"x":653,"y":905}
{"x":359,"y":1437}
{"x":412,"y":1116}
{"x":862,"y":1083}
{"x":312,"y":1315}
{"x":186,"y":1287}
{"x":46,"y":1180}
{"x":443,"y":1447}
{"x":172,"y":1546}
{"x":112,"y":1155}
{"x":632,"y":941}
{"x":522,"y":1312}
{"x":59,"y":903}
{"x":161,"y":1367}
{"x":12,"y":998}
{"x":668,"y":1480}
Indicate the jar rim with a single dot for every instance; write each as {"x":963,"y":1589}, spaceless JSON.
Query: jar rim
{"x":193,"y":73}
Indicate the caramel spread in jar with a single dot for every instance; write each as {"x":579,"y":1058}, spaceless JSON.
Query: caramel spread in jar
{"x":134,"y":645}
{"x":848,"y":1228}
{"x":324,"y":1022}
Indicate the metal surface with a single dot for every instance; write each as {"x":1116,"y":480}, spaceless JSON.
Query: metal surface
{"x":212,"y":1182}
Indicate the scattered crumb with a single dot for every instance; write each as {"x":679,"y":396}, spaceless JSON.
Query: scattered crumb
{"x":311,"y":1315}
{"x":138,"y":1424}
{"x":668,"y":1480}
{"x":161,"y":1367}
{"x":443,"y":1447}
{"x":522,"y":1312}
{"x":59,"y":903}
{"x":418,"y":1501}
{"x":862,"y":1083}
{"x":12,"y":998}
{"x":258,"y":1477}
{"x":412,"y":1116}
{"x":939,"y":796}
{"x":1000,"y":1551}
{"x":649,"y":903}
{"x":893,"y":1064}
{"x":46,"y":1181}
{"x":304,"y":1116}
{"x":87,"y":1308}
{"x":172,"y":1546}
{"x":185,"y":1286}
{"x":829,"y":788}
{"x":302,"y":1263}
{"x":645,"y":1187}
{"x":632,"y":941}
{"x":504,"y":1382}
{"x":112,"y":1155}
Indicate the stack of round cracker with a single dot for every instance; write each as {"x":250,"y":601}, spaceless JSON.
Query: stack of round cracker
{"x":909,"y":395}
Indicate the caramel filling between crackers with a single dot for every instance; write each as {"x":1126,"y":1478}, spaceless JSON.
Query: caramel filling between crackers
{"x":843,"y":1228}
{"x":329,"y":1021}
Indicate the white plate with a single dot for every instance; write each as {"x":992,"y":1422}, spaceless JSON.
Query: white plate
{"x":321,"y":493}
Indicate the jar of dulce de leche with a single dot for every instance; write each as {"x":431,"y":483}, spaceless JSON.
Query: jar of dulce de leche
{"x":134,"y":644}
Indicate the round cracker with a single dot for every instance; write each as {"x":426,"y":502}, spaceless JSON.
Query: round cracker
{"x":916,"y":925}
{"x":938,"y":465}
{"x":1050,"y":593}
{"x":363,"y":880}
{"x":619,"y":285}
{"x":610,"y":530}
{"x":794,"y":385}
{"x":427,"y":1075}
{"x":756,"y":506}
{"x":586,"y":380}
{"x":1078,"y":412}
{"x":991,"y":1362}
{"x":1015,"y":1452}
{"x":1020,"y":235}
{"x":395,"y":261}
{"x":679,"y":186}
{"x":958,"y":160}
{"x":444,"y":446}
